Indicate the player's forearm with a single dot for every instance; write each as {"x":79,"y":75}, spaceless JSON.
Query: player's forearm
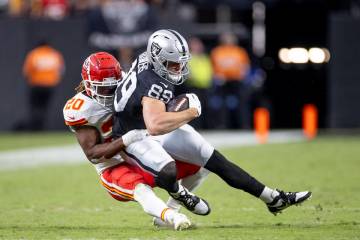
{"x":101,"y":152}
{"x":166,"y":122}
{"x":114,"y":148}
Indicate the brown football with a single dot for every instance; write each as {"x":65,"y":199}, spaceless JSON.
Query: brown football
{"x":178,"y":104}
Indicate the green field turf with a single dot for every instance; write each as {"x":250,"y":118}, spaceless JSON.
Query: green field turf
{"x":10,"y":141}
{"x":67,"y":202}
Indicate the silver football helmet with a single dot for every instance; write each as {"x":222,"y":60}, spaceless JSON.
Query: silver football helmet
{"x":169,"y":53}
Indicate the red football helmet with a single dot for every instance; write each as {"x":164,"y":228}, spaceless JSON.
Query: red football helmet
{"x":101,"y":73}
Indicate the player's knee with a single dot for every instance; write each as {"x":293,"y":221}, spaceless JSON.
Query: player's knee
{"x":216,"y":162}
{"x":206,"y":150}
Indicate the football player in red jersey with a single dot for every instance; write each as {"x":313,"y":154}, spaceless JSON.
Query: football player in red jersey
{"x":89,"y":116}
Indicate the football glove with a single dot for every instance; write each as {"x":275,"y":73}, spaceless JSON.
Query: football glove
{"x":194,"y":102}
{"x":134,"y":136}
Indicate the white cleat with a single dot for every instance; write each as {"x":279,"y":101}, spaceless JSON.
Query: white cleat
{"x":158,"y":222}
{"x":181,"y":222}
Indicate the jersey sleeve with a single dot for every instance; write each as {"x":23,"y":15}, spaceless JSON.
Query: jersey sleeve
{"x":75,"y":113}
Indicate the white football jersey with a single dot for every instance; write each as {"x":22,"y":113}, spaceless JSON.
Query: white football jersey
{"x":81,"y":110}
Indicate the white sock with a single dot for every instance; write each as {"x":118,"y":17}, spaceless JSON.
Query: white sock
{"x":151,"y":204}
{"x":268,"y":194}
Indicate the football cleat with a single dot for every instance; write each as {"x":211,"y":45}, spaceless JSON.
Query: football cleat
{"x":287,"y":199}
{"x":158,"y":222}
{"x":191,"y":202}
{"x":180,"y":222}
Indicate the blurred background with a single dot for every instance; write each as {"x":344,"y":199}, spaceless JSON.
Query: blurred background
{"x":286,"y":65}
{"x":277,"y":55}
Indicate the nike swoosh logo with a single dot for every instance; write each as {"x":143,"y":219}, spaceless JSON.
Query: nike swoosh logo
{"x":164,"y":84}
{"x":72,"y":118}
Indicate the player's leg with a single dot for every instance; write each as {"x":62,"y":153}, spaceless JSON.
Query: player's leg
{"x":191,"y":180}
{"x":126,"y":184}
{"x":236,"y":177}
{"x":155,"y":207}
{"x":188,"y":145}
{"x":150,"y":156}
{"x":191,"y":177}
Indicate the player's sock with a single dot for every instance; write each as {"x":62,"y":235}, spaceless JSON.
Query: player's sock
{"x":268,"y":195}
{"x":233,"y":174}
{"x":151,"y":204}
{"x":166,"y":178}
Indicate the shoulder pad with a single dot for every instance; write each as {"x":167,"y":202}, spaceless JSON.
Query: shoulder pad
{"x":77,"y":110}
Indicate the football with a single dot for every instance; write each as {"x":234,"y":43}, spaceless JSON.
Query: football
{"x":178,"y":104}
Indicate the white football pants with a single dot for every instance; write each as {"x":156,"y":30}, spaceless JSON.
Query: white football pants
{"x":184,"y":144}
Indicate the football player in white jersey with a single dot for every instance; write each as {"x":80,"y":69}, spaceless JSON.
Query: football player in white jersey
{"x":89,"y":116}
{"x":140,"y":102}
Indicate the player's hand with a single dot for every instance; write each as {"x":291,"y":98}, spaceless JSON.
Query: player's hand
{"x":194,"y":102}
{"x":134,"y":136}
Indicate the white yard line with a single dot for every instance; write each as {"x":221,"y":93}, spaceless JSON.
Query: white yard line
{"x":72,"y":154}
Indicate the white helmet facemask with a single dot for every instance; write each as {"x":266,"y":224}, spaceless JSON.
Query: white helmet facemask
{"x":103,"y":92}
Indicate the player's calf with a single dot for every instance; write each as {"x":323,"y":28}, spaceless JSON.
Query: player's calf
{"x":166,"y":178}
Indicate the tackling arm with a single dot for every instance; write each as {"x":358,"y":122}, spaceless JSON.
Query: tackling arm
{"x":96,"y":152}
{"x":158,"y":121}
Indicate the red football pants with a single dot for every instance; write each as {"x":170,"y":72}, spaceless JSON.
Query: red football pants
{"x":120,"y":180}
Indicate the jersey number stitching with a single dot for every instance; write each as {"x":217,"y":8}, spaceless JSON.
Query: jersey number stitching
{"x":156,"y":91}
{"x":74,"y":103}
{"x":127,"y":89}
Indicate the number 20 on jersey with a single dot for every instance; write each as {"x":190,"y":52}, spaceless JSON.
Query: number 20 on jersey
{"x":74,"y":103}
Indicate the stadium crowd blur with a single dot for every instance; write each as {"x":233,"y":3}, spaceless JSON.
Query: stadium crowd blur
{"x":226,"y":71}
{"x":122,"y":28}
{"x":43,"y":69}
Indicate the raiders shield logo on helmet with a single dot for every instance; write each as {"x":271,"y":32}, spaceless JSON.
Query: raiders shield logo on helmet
{"x":155,"y":49}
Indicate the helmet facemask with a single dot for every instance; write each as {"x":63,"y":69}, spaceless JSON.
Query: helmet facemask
{"x":102,"y":91}
{"x":174,"y":72}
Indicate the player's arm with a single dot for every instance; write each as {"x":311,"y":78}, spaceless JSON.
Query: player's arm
{"x":95,"y":151}
{"x":159,"y":122}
